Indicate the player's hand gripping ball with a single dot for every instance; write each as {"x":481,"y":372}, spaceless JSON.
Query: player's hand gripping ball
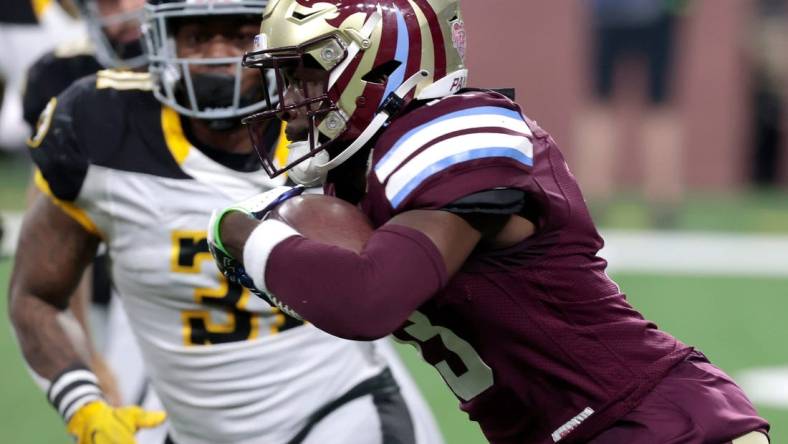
{"x":326,"y":219}
{"x":256,"y":207}
{"x":321,"y":218}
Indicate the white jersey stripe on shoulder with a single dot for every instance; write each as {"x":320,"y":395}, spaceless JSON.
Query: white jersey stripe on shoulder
{"x":453,"y":151}
{"x":480,"y":117}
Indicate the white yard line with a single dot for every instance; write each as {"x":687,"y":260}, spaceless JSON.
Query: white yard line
{"x":12,"y":221}
{"x":696,"y":253}
{"x":766,"y":386}
{"x":643,"y":251}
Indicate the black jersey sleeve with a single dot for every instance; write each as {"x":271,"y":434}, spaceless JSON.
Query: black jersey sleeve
{"x":495,"y":201}
{"x":18,"y":12}
{"x":55,"y":147}
{"x":50,"y":75}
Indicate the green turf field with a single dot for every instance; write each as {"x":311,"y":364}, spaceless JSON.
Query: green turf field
{"x":737,"y":322}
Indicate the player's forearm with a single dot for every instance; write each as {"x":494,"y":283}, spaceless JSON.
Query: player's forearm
{"x":52,"y":253}
{"x":79,"y":303}
{"x":44,"y":342}
{"x":52,"y":350}
{"x":357,"y":296}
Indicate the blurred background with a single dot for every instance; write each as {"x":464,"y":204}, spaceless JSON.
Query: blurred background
{"x":672,"y":114}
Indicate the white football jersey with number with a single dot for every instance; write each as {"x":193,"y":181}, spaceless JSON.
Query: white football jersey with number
{"x":227,"y":367}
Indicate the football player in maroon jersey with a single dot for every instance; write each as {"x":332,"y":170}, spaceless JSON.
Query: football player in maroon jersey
{"x":484,"y":255}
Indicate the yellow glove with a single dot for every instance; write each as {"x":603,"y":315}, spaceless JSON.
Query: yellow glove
{"x":98,"y":423}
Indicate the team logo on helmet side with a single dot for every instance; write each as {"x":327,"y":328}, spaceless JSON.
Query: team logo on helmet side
{"x":345,"y":8}
{"x":458,"y":37}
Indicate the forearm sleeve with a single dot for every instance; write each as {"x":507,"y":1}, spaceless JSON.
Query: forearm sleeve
{"x":357,"y":296}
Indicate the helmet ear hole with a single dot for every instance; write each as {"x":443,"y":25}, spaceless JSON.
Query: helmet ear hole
{"x":382,"y":72}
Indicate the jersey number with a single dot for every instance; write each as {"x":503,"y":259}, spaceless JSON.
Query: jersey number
{"x":190,"y":249}
{"x":455,"y":359}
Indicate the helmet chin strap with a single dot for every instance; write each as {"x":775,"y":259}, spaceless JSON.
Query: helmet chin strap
{"x":377,"y":123}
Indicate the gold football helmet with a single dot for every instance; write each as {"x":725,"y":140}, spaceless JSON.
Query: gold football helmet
{"x":379,"y":55}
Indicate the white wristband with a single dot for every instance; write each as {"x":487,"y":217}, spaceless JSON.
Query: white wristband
{"x":258,"y":247}
{"x":73,"y":389}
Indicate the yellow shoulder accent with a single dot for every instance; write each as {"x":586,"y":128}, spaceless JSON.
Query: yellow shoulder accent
{"x":76,"y":213}
{"x":40,"y":6}
{"x":173,"y":134}
{"x":123,"y":80}
{"x":281,"y":147}
{"x":42,"y":126}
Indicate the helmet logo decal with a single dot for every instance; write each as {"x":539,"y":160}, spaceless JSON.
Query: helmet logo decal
{"x":458,"y":37}
{"x":345,"y":8}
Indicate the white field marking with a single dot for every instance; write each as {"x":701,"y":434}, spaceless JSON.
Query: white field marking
{"x":12,"y":222}
{"x":710,"y":254}
{"x":765,"y":386}
{"x":696,"y":253}
{"x":671,"y":252}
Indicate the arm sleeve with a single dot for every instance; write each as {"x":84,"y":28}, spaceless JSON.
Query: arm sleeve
{"x":357,"y":296}
{"x":51,"y":74}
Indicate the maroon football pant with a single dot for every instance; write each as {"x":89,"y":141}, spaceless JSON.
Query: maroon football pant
{"x":695,"y":403}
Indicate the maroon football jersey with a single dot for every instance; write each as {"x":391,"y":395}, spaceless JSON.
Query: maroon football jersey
{"x":536,"y":341}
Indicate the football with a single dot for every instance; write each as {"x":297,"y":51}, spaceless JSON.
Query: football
{"x":326,"y":219}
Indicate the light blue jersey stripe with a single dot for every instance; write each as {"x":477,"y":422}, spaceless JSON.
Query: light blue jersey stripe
{"x":481,"y":110}
{"x":447,"y":162}
{"x":403,"y":51}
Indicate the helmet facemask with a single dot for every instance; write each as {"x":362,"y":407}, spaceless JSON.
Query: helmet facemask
{"x":329,"y":129}
{"x":209,"y":88}
{"x":112,"y":52}
{"x":280,"y":70}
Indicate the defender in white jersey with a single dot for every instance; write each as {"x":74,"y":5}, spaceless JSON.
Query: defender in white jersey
{"x":115,"y":41}
{"x":119,"y":166}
